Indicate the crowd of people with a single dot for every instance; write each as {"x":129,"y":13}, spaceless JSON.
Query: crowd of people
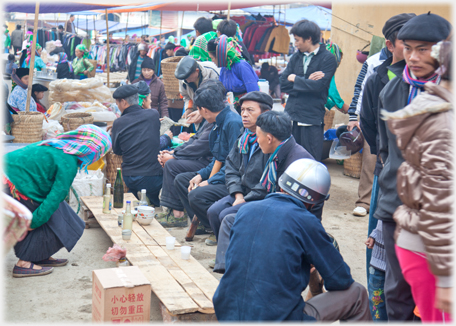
{"x":251,"y":177}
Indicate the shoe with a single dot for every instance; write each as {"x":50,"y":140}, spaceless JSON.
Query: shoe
{"x":360,"y":211}
{"x":200,"y":230}
{"x":51,"y":263}
{"x":212,"y":264}
{"x":211,"y":241}
{"x":167,"y":220}
{"x":26,"y":272}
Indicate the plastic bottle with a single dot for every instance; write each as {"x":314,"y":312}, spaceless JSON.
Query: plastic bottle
{"x":118,"y":190}
{"x":107,"y":201}
{"x":127,"y":218}
{"x":143,"y":201}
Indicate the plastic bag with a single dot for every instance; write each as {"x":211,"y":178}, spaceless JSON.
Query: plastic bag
{"x":50,"y":46}
{"x":114,"y":253}
{"x":16,"y":220}
{"x":185,"y":136}
{"x":56,"y":112}
{"x":51,"y":129}
{"x":75,"y":90}
{"x":85,"y":184}
{"x":165,"y":124}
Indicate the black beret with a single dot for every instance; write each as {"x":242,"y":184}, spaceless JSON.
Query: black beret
{"x":395,"y":23}
{"x":185,"y":68}
{"x":148,"y":63}
{"x":259,"y":97}
{"x":21,"y":72}
{"x":143,"y":89}
{"x":125,"y":91}
{"x":426,"y":27}
{"x":39,"y":88}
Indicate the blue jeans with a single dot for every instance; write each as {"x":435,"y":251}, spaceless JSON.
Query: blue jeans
{"x":375,"y":287}
{"x":151,"y":184}
{"x":372,"y":220}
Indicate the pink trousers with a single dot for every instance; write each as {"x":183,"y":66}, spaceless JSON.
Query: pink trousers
{"x":423,"y":284}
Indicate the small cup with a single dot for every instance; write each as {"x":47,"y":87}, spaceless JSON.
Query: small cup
{"x":126,"y":234}
{"x":185,"y":252}
{"x":170,"y":242}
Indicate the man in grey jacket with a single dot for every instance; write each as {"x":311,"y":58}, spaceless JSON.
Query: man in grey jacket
{"x":17,"y":38}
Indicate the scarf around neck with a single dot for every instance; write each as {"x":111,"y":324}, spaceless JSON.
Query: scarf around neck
{"x":247,"y":139}
{"x":269,"y":177}
{"x":417,"y":84}
{"x":64,"y":59}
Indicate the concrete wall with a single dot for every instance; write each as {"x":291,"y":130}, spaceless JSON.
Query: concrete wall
{"x":366,"y":18}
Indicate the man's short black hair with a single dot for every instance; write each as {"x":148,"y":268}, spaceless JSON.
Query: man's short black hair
{"x":71,"y":16}
{"x":210,"y":96}
{"x":393,"y":37}
{"x":170,"y":46}
{"x":305,"y":29}
{"x":203,"y":25}
{"x":18,"y":26}
{"x":60,"y":27}
{"x":227,"y":27}
{"x":275,"y":123}
{"x":215,"y":84}
{"x":11,"y":57}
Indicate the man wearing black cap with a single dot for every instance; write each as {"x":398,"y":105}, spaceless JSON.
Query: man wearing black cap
{"x":369,"y":115}
{"x":191,"y":74}
{"x":244,"y":164}
{"x":136,"y":136}
{"x":418,"y":35}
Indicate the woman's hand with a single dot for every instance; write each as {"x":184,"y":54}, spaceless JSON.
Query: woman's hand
{"x":169,"y":133}
{"x":30,"y":229}
{"x":443,"y":299}
{"x":85,"y":72}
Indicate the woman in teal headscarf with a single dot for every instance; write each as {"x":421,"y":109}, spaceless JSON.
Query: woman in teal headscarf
{"x":39,"y":63}
{"x":81,"y":64}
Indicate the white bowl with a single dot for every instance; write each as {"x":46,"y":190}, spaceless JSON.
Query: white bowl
{"x":145,"y":221}
{"x":134,"y":212}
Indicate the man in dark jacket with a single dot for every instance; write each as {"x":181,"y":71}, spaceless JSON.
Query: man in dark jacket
{"x":395,"y":96}
{"x":244,"y":164}
{"x":16,"y":39}
{"x":134,"y":71}
{"x":228,"y":28}
{"x":306,"y":79}
{"x":199,"y":190}
{"x":274,"y":244}
{"x":276,"y":141}
{"x":136,"y":136}
{"x":271,"y":74}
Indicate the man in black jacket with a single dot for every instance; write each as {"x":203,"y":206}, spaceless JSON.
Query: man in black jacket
{"x":396,"y":95}
{"x":228,"y":28}
{"x":136,"y":136}
{"x":306,"y":79}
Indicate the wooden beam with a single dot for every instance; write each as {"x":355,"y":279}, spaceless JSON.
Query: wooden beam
{"x":32,"y":58}
{"x":229,"y":10}
{"x":107,"y":45}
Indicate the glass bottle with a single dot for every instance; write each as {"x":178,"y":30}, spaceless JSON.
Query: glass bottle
{"x":118,"y":190}
{"x":127,"y":218}
{"x":107,"y":202}
{"x":143,"y":201}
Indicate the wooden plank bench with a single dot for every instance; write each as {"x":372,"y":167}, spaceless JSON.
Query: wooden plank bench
{"x":184,"y":287}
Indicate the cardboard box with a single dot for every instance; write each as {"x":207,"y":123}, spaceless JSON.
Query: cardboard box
{"x":120,"y":295}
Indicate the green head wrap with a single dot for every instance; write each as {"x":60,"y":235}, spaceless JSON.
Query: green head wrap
{"x":142,"y":98}
{"x":82,"y":48}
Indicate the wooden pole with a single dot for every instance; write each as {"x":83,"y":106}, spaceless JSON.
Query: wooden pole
{"x":107,"y":45}
{"x":126,"y":28}
{"x":161,"y":16}
{"x":66,"y":24}
{"x":32,"y":58}
{"x":229,"y":10}
{"x":182,"y":26}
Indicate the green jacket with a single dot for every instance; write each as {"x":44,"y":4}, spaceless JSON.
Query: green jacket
{"x":80,"y":65}
{"x":44,"y":174}
{"x":334,"y":98}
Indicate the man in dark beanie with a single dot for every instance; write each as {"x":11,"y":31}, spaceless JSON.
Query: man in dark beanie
{"x":419,"y":34}
{"x":136,"y":136}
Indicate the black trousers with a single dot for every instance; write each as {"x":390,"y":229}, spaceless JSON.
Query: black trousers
{"x":398,"y":295}
{"x":311,"y":138}
{"x":17,"y":48}
{"x":169,"y":197}
{"x":198,"y":201}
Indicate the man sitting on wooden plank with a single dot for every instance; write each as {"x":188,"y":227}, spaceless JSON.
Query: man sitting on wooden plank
{"x":199,"y":190}
{"x":274,"y":243}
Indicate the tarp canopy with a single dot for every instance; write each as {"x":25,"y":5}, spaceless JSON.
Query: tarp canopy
{"x":321,"y":16}
{"x":100,"y":25}
{"x":51,"y":7}
{"x":140,"y":31}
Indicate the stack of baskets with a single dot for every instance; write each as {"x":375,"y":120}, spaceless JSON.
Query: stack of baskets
{"x":329,"y":118}
{"x":27,"y":127}
{"x":113,"y":162}
{"x":168,"y":66}
{"x":72,"y":121}
{"x":352,"y":166}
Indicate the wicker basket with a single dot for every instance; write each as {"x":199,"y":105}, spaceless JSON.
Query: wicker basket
{"x":352,"y":166}
{"x":113,"y":162}
{"x":329,"y":118}
{"x":168,"y":66}
{"x":72,"y":121}
{"x":27,"y":127}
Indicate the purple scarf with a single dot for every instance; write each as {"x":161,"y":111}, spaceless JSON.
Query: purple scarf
{"x":417,"y":84}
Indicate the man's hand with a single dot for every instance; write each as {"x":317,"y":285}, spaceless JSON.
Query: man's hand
{"x":108,"y":128}
{"x":166,"y":157}
{"x":317,"y":75}
{"x":194,"y":117}
{"x":204,"y":183}
{"x":194,"y":182}
{"x":291,"y":78}
{"x":239,"y":199}
{"x":370,"y":243}
{"x":443,"y":299}
{"x":169,"y":133}
{"x":353,"y":124}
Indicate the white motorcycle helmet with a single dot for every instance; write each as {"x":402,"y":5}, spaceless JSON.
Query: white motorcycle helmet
{"x":307,"y":180}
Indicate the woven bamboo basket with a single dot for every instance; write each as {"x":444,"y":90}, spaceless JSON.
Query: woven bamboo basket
{"x":329,"y":118}
{"x":27,"y":127}
{"x":352,"y":166}
{"x":72,"y":121}
{"x":168,"y":66}
{"x":113,"y":162}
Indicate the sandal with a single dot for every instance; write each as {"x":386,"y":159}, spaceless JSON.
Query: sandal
{"x":26,"y":272}
{"x":51,"y":262}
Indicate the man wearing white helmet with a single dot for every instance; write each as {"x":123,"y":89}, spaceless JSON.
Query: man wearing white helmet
{"x":273,"y":244}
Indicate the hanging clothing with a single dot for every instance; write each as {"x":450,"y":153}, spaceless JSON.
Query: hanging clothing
{"x":278,"y":40}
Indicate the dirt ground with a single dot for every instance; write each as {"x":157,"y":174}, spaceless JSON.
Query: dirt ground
{"x":66,"y":294}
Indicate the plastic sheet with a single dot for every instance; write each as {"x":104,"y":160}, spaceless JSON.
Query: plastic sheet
{"x":73,"y":90}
